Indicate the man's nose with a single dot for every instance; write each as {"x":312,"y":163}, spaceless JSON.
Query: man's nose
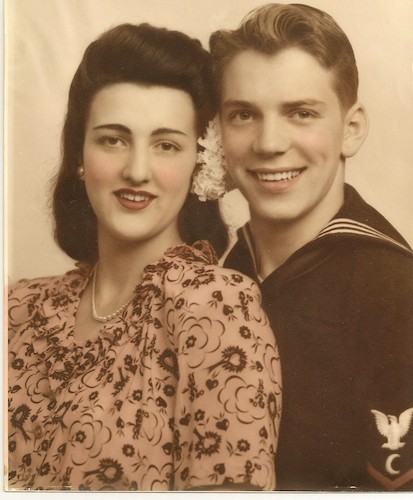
{"x":138,"y":168}
{"x":273,"y":136}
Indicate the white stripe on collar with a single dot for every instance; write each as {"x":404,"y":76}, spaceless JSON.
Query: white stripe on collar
{"x":350,"y":226}
{"x":246,"y":231}
{"x":335,"y":226}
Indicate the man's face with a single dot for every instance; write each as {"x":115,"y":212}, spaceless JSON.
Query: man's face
{"x":283,"y":131}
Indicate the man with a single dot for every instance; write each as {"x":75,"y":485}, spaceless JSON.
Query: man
{"x":336,"y":277}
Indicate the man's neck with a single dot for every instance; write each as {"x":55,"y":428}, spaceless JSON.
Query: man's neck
{"x":276,"y":241}
{"x":274,"y":244}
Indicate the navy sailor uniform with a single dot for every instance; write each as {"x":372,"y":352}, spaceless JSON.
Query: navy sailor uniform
{"x":342,"y":311}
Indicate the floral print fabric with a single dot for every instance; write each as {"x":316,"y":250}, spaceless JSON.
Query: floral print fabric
{"x":181,"y":390}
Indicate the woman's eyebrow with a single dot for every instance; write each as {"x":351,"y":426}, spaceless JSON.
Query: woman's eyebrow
{"x":114,"y":126}
{"x":122,"y":128}
{"x":165,"y":130}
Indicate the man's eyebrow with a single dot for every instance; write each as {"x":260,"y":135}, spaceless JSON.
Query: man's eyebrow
{"x":236,"y":103}
{"x":302,"y":102}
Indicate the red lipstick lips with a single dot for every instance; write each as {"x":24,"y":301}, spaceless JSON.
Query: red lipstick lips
{"x":134,"y":200}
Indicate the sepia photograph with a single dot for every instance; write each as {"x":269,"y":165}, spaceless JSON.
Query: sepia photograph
{"x":208,"y":263}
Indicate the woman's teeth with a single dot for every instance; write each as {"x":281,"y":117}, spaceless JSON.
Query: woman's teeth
{"x":134,"y":197}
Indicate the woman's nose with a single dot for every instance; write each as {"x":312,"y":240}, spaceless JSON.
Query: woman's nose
{"x":272,"y":137}
{"x":138,"y":167}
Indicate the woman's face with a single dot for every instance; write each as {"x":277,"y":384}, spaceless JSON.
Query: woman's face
{"x":139,"y":153}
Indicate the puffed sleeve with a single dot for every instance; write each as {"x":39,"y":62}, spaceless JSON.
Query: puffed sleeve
{"x":228,"y":399}
{"x":20,"y":300}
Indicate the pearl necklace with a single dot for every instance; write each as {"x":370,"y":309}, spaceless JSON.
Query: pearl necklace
{"x":108,"y":317}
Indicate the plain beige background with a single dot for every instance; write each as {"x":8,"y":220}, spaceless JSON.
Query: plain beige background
{"x":45,"y":40}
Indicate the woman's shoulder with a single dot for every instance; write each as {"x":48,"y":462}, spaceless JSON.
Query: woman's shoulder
{"x":36,"y":286}
{"x":196,"y":267}
{"x":34,"y":300}
{"x":195,"y":286}
{"x":207,"y":303}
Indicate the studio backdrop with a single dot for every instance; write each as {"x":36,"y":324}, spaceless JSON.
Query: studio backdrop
{"x":44,"y":43}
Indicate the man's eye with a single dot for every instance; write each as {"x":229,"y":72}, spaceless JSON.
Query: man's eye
{"x":303,"y":114}
{"x":241,"y":116}
{"x":244,"y":115}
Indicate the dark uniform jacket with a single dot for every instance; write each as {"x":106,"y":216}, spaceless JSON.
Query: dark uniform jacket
{"x":342,"y":312}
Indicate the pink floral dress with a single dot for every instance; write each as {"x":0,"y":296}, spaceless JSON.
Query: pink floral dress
{"x":181,"y":390}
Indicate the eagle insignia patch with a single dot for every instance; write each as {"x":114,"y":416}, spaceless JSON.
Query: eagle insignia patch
{"x":393,"y":470}
{"x":393,"y":428}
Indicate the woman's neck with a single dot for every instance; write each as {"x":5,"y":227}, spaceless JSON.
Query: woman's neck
{"x":121,"y":265}
{"x":118,"y":271}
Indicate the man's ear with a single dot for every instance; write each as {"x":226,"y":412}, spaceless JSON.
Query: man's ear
{"x":355,"y":130}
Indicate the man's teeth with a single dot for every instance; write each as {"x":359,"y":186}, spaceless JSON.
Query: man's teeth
{"x":278,"y":176}
{"x":134,"y":197}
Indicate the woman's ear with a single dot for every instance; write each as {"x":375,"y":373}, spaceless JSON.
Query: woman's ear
{"x":81,"y":173}
{"x":355,"y":130}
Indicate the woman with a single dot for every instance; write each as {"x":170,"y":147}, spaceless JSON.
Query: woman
{"x":147,"y":367}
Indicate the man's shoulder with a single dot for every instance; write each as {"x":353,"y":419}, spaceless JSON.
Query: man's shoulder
{"x":366,"y":238}
{"x":357,"y":233}
{"x":367,"y":217}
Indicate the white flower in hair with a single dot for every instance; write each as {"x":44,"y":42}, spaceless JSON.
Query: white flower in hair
{"x":209,"y":182}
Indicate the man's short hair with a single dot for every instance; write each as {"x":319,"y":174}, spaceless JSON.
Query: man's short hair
{"x":274,"y":27}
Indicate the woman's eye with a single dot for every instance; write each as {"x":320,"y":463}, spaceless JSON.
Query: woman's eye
{"x":167,"y":146}
{"x":111,"y":141}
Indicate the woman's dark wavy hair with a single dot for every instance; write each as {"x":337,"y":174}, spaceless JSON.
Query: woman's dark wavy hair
{"x":141,"y":54}
{"x":273,"y":27}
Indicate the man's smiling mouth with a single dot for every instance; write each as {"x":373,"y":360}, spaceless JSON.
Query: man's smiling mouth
{"x":287,"y":175}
